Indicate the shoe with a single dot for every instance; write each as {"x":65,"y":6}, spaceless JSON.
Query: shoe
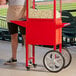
{"x":11,"y":61}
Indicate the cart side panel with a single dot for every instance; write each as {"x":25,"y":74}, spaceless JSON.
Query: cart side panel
{"x":40,"y":32}
{"x":58,"y":36}
{"x":59,"y":31}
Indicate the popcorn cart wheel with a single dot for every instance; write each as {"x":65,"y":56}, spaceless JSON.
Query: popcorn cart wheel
{"x":53,"y":61}
{"x":67,"y":56}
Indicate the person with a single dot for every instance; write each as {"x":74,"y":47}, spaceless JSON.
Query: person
{"x":16,"y":11}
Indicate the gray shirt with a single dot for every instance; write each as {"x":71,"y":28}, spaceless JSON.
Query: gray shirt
{"x":16,"y":2}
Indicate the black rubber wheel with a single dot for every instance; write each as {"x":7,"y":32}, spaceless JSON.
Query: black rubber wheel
{"x":53,"y":61}
{"x":67,"y":57}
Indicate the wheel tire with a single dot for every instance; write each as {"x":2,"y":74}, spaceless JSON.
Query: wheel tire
{"x":58,"y":55}
{"x":67,"y":57}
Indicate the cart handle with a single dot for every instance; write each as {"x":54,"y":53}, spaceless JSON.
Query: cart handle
{"x":63,"y":25}
{"x":66,"y":24}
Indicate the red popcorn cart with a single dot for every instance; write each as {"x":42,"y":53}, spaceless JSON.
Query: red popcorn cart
{"x":44,"y":27}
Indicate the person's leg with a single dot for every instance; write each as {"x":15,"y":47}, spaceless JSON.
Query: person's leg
{"x":14,"y":44}
{"x":13,"y":29}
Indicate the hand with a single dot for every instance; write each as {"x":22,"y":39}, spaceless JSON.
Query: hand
{"x":2,"y":2}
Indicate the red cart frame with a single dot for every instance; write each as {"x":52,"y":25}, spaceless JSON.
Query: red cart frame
{"x":42,"y":31}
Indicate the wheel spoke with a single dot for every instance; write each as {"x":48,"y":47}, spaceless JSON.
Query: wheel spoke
{"x":53,"y":67}
{"x":58,"y":59}
{"x":56,"y":62}
{"x":53,"y":56}
{"x":49,"y":58}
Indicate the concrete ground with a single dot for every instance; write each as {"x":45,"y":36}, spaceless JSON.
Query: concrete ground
{"x":20,"y":70}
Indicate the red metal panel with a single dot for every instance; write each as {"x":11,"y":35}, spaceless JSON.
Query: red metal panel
{"x":20,"y":23}
{"x":41,"y":32}
{"x":58,"y":36}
